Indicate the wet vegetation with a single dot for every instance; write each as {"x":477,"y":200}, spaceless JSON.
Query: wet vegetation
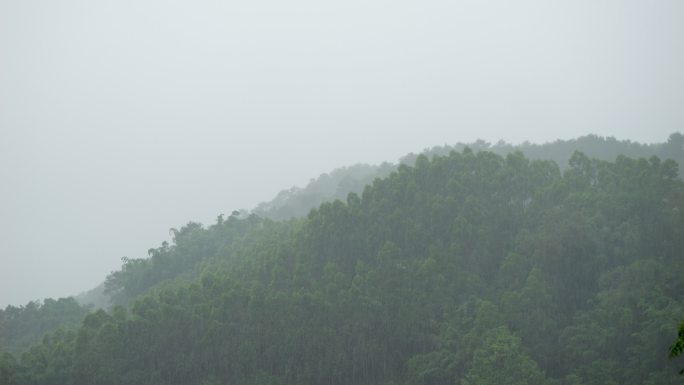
{"x":462,"y":268}
{"x":298,"y":201}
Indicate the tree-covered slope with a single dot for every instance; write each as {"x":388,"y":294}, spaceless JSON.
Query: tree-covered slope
{"x":560,"y":151}
{"x":336,"y":185}
{"x":469,"y":268}
{"x":23,"y":326}
{"x":298,"y":201}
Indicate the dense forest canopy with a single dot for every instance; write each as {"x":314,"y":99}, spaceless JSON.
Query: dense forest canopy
{"x":23,"y":326}
{"x":462,"y":268}
{"x":298,"y":201}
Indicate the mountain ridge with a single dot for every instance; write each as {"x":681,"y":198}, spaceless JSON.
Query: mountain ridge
{"x":430,"y":275}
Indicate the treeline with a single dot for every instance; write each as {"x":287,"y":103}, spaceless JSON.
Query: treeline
{"x":23,"y":326}
{"x":560,"y":151}
{"x":298,"y":201}
{"x":469,"y":268}
{"x":170,"y":264}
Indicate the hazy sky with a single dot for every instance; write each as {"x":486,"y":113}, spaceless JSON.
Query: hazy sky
{"x":122,"y":119}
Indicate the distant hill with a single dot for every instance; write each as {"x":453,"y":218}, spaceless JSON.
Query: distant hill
{"x":465,"y":268}
{"x":24,"y":326}
{"x":560,"y":151}
{"x":95,"y":298}
{"x":298,"y":201}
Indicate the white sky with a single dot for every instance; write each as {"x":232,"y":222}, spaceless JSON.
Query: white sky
{"x":122,"y":119}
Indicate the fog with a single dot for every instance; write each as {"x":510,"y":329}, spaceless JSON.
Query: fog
{"x":120,"y":120}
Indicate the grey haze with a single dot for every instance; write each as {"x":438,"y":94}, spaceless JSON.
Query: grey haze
{"x":121,"y":119}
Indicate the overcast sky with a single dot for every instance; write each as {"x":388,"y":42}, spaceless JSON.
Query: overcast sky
{"x":122,"y":119}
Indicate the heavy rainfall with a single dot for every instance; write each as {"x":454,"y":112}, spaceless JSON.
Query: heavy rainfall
{"x":362,"y":192}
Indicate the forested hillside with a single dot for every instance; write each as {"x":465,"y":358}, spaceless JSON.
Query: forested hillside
{"x":468,"y":268}
{"x":560,"y":151}
{"x":23,"y":326}
{"x":298,"y":201}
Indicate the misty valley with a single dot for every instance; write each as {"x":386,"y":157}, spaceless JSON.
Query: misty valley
{"x":474,"y":264}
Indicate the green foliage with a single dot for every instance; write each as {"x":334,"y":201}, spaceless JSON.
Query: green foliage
{"x":560,"y":151}
{"x":678,"y":346}
{"x":501,"y":359}
{"x":469,"y":268}
{"x":8,"y":369}
{"x":297,"y":202}
{"x":191,"y":245}
{"x":336,"y":185}
{"x":21,"y":327}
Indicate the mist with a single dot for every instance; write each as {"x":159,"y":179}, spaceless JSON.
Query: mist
{"x":121,"y":120}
